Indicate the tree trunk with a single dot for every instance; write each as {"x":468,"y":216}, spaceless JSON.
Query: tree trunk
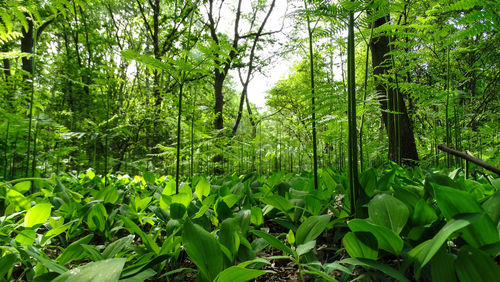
{"x":399,"y":128}
{"x":27,"y":47}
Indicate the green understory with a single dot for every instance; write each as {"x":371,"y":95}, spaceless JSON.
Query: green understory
{"x":412,"y":224}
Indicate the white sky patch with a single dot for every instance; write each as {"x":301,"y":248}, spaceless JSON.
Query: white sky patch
{"x":279,"y":67}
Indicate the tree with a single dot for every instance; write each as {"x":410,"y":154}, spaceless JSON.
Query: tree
{"x":402,"y":147}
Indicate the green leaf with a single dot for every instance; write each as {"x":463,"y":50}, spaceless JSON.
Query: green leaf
{"x":202,"y":188}
{"x":305,"y":248}
{"x":378,"y":266}
{"x":387,"y":239}
{"x":361,"y":245}
{"x":149,"y":177}
{"x":491,"y":205}
{"x":368,"y":181}
{"x":104,"y":270}
{"x":239,"y":274}
{"x":443,"y":267}
{"x":424,"y":252}
{"x":6,"y":263}
{"x":311,"y":228}
{"x":117,"y":246}
{"x":96,"y":219}
{"x":423,"y":213}
{"x":92,"y":253}
{"x":207,"y":203}
{"x":228,"y":235}
{"x":452,"y":202}
{"x":256,"y":216}
{"x":38,"y":214}
{"x":474,"y":265}
{"x":184,"y":196}
{"x":177,"y":210}
{"x":22,"y":187}
{"x":278,"y":202}
{"x":74,"y":251}
{"x":149,"y":242}
{"x":273,"y":241}
{"x":290,"y":237}
{"x":385,"y":210}
{"x":46,"y":262}
{"x":18,"y":200}
{"x":203,"y":250}
{"x":386,"y":180}
{"x":26,"y":237}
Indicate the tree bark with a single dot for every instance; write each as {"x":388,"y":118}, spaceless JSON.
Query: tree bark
{"x":401,"y":146}
{"x":469,"y":158}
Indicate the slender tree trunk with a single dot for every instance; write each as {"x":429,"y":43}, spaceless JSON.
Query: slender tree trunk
{"x":381,"y":61}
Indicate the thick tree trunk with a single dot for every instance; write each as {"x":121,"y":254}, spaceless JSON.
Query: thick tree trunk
{"x":27,"y":47}
{"x":219,"y":78}
{"x":402,"y":145}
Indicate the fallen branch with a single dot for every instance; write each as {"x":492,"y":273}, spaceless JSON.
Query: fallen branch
{"x":469,"y":158}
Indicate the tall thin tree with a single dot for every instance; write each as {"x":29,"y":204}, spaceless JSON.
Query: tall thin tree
{"x":313,"y":97}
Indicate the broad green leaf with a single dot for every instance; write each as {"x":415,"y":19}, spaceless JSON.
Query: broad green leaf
{"x":26,"y":237}
{"x":36,"y":253}
{"x":149,"y":242}
{"x":149,"y":177}
{"x":452,"y":202}
{"x":141,"y":276}
{"x":368,"y":181}
{"x":239,"y":274}
{"x":256,"y":217}
{"x":203,"y":250}
{"x":177,"y":210}
{"x":74,"y":251}
{"x":474,"y":265}
{"x":169,"y":189}
{"x":18,"y":200}
{"x":38,"y":214}
{"x":273,"y":241}
{"x":207,"y":203}
{"x":361,"y":245}
{"x":385,"y":182}
{"x":92,"y":253}
{"x":443,"y":267}
{"x":385,"y":210}
{"x":378,"y":266}
{"x":22,"y":187}
{"x":6,"y":263}
{"x":311,"y":228}
{"x":424,"y":252}
{"x":117,"y":246}
{"x":306,"y":247}
{"x":90,"y":174}
{"x":228,"y":236}
{"x":423,"y":213}
{"x":387,"y":239}
{"x":104,"y":270}
{"x":290,"y":237}
{"x":96,"y":219}
{"x":230,"y":200}
{"x":491,"y":207}
{"x":202,"y":188}
{"x":184,"y":196}
{"x":278,"y":202}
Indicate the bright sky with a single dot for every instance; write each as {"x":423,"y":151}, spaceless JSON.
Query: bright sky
{"x":278,"y":68}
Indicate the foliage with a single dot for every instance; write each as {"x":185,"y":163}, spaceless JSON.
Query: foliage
{"x":233,"y":226}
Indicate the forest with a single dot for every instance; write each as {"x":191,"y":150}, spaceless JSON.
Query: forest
{"x":256,"y":140}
